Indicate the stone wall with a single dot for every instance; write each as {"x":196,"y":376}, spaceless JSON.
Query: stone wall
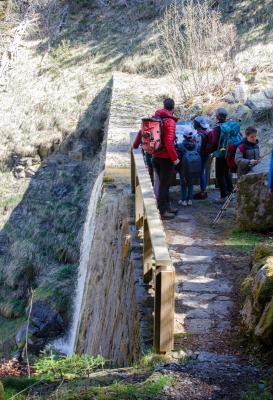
{"x":110,"y":324}
{"x":257,"y":312}
{"x":117,"y":311}
{"x":255,"y":203}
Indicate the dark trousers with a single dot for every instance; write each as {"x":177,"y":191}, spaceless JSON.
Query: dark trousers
{"x":164,"y":169}
{"x":223,"y":176}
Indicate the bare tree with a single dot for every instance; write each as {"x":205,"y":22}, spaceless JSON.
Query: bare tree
{"x":196,"y":46}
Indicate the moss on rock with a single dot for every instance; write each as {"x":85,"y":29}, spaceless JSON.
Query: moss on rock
{"x":264,"y":329}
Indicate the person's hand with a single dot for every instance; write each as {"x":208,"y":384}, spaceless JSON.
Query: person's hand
{"x":176,"y":162}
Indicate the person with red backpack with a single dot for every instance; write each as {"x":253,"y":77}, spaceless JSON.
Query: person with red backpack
{"x":166,"y":159}
{"x":157,"y":137}
{"x":248,"y":152}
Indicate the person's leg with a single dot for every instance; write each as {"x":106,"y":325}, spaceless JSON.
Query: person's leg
{"x":220,"y":176}
{"x":203,"y":179}
{"x":148,"y":161}
{"x":183,"y":187}
{"x":190,"y":188}
{"x":228,"y":179}
{"x":164,"y":168}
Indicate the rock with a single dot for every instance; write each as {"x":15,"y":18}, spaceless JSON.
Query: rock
{"x":248,"y":316}
{"x":240,"y":93}
{"x":258,"y":102}
{"x":229,"y":98}
{"x":263,"y":285}
{"x":20,"y":175}
{"x":19,"y":169}
{"x":45,"y":324}
{"x":269,"y":93}
{"x":21,"y":335}
{"x":44,"y":150}
{"x":29,"y":172}
{"x":25,"y":162}
{"x":76,"y":155}
{"x":254,"y":202}
{"x":257,"y":313}
{"x":264,"y":329}
{"x":47,"y":320}
{"x":242,"y":113}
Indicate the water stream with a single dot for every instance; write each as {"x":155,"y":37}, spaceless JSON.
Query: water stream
{"x":68,"y":346}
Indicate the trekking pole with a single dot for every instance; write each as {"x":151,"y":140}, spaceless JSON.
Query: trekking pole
{"x":224,"y":207}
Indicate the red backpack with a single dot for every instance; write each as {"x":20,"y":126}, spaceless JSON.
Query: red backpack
{"x":230,"y":157}
{"x":152,"y":135}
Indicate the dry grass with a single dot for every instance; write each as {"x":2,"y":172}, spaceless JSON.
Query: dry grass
{"x":196,"y":46}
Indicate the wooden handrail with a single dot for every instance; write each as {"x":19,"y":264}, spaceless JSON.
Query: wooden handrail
{"x":157,"y":264}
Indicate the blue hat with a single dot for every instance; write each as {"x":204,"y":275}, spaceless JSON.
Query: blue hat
{"x":202,"y":122}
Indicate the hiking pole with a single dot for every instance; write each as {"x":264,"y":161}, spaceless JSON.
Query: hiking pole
{"x":224,"y":207}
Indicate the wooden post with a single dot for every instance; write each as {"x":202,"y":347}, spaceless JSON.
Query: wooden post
{"x":138,"y":204}
{"x":133,"y":173}
{"x":164,"y":309}
{"x":147,"y":253}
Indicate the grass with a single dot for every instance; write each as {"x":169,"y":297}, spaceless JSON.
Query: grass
{"x":263,"y":391}
{"x":8,"y":328}
{"x":246,"y":241}
{"x":146,"y":390}
{"x":75,"y":377}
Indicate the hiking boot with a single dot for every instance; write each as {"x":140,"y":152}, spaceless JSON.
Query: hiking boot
{"x":189,"y":202}
{"x":200,"y":196}
{"x":167,"y":215}
{"x":182,"y":203}
{"x":172,"y":210}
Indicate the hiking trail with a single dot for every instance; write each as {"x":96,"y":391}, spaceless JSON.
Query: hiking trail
{"x":209,"y":271}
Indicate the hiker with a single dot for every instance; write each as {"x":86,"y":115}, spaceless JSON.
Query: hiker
{"x":248,"y":152}
{"x":201,"y":127}
{"x":189,"y":167}
{"x":164,"y":156}
{"x":165,"y":160}
{"x":224,"y":133}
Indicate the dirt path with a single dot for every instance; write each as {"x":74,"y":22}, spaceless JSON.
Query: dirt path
{"x":208,"y":276}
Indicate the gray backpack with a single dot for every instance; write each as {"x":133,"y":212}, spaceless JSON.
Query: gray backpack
{"x":191,"y":163}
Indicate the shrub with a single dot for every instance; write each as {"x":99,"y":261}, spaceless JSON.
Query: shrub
{"x":54,"y":366}
{"x":197,"y":46}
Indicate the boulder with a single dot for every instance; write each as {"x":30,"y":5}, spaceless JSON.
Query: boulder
{"x":240,"y":93}
{"x":263,"y":285}
{"x":45,"y":324}
{"x":259,"y":102}
{"x":47,"y":320}
{"x":229,"y":98}
{"x":269,"y":93}
{"x":254,"y":202}
{"x":264,"y":329}
{"x":242,"y":113}
{"x":257,"y":312}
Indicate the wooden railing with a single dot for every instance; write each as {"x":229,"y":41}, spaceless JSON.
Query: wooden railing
{"x":157,"y":264}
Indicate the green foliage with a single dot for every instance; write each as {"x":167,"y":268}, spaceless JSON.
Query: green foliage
{"x":140,"y":391}
{"x":263,"y":391}
{"x":53,"y":366}
{"x":244,"y":240}
{"x":14,"y":386}
{"x":150,"y":360}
